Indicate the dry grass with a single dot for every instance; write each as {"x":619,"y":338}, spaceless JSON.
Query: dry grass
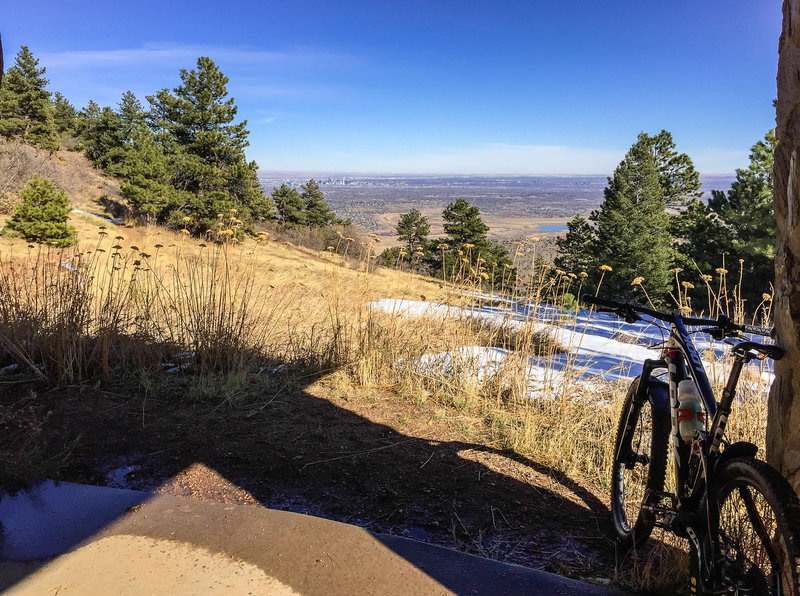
{"x":136,"y":301}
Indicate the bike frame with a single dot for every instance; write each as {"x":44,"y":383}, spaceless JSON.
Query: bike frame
{"x":692,"y":512}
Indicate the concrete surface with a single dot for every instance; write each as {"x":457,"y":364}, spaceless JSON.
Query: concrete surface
{"x":108,"y":541}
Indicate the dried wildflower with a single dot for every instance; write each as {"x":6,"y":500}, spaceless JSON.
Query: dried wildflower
{"x":605,"y":268}
{"x":584,"y":275}
{"x":134,"y":247}
{"x":330,"y":248}
{"x":442,"y":246}
{"x":687,"y":285}
{"x":117,"y":247}
{"x":460,"y":253}
{"x":686,"y":309}
{"x":546,"y":267}
{"x":185,"y":232}
{"x":220,"y":216}
{"x":506,"y":266}
{"x":637,"y":281}
{"x":676,"y":270}
{"x":534,"y":238}
{"x":157,"y":246}
{"x":187,"y":219}
{"x":234,"y":211}
{"x":706,"y":278}
{"x":468,"y":245}
{"x":721,"y":270}
{"x":560,"y":272}
{"x":118,"y":238}
{"x":517,"y":254}
{"x":484,"y":275}
{"x":572,"y":276}
{"x":202,"y":245}
{"x":348,"y":239}
{"x":766,"y":297}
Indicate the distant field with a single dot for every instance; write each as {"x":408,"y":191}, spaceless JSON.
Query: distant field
{"x":513,"y":207}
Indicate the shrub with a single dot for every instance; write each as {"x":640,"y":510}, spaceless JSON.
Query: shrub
{"x":42,"y":215}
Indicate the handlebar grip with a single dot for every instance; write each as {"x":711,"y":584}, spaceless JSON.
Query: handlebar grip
{"x":756,"y":330}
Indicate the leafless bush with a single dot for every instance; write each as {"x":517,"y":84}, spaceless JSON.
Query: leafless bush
{"x":18,"y":163}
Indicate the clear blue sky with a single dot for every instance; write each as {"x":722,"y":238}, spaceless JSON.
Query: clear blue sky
{"x":523,"y":87}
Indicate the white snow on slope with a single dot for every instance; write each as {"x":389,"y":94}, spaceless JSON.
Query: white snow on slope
{"x":596,"y":344}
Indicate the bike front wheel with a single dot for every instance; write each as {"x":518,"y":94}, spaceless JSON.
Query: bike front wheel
{"x":757,"y":546}
{"x":640,"y":463}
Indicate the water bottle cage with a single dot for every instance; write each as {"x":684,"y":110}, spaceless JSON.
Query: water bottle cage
{"x":685,"y":415}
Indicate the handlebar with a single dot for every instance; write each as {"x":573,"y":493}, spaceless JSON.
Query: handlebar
{"x":720,"y":327}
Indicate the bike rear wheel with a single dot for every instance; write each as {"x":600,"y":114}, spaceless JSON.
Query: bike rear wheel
{"x":758,"y":539}
{"x":640,"y":463}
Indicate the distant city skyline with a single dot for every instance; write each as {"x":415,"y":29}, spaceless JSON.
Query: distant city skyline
{"x":437,"y":87}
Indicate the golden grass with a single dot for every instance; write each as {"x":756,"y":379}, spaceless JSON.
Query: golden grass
{"x":130,"y":300}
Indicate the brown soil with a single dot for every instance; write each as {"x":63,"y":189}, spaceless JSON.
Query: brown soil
{"x":372,"y":459}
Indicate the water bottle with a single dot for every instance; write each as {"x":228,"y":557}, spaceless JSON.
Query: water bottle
{"x":690,"y":410}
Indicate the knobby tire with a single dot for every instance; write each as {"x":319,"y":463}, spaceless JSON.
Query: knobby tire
{"x":643,"y":430}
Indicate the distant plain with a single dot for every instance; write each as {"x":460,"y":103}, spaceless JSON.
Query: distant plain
{"x":514,"y":207}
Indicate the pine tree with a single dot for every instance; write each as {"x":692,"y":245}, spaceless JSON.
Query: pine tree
{"x":463,"y":223}
{"x":65,"y":115}
{"x":576,"y":248}
{"x":147,"y":173}
{"x":633,"y":227}
{"x":467,"y":232}
{"x":104,"y":141}
{"x":132,"y":117}
{"x":290,"y":206}
{"x":740,"y":224}
{"x":42,"y":215}
{"x":413,"y":228}
{"x":195,"y":122}
{"x":678,"y":179}
{"x":25,"y":109}
{"x":318,"y":212}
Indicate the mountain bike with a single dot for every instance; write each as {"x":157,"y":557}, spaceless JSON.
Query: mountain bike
{"x":740,"y":516}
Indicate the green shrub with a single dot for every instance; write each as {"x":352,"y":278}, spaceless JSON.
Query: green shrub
{"x":42,"y":215}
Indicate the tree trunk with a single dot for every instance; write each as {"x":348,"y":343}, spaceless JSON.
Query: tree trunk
{"x":783,"y":423}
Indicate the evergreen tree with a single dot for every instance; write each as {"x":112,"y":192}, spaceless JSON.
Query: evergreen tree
{"x":64,"y":115}
{"x":290,"y":206}
{"x":740,"y":224}
{"x":413,"y":228}
{"x":467,"y":232}
{"x":195,"y":121}
{"x":42,"y":215}
{"x":25,"y":109}
{"x":678,"y":179}
{"x":104,"y":140}
{"x":147,"y":173}
{"x":633,"y":227}
{"x":463,"y":223}
{"x":576,"y":248}
{"x":132,"y":117}
{"x":318,"y":212}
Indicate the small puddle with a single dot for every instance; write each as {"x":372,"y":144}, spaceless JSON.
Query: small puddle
{"x":118,"y":477}
{"x":48,"y":518}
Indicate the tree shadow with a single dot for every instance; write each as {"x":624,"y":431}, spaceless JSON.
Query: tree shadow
{"x":297,"y":451}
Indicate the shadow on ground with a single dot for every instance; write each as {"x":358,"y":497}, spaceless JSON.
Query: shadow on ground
{"x":310,"y":450}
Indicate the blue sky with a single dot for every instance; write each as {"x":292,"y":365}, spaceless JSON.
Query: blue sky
{"x":528,"y":87}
